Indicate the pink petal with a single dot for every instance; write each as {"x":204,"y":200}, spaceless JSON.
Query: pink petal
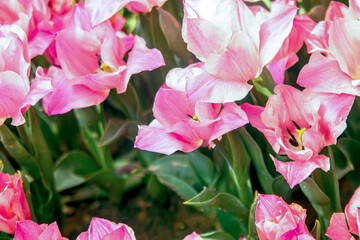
{"x":344,"y":45}
{"x":140,"y":59}
{"x":66,"y":97}
{"x":120,"y":233}
{"x":39,"y":42}
{"x":323,"y":74}
{"x":297,"y":171}
{"x":193,"y":236}
{"x":143,"y":6}
{"x":254,"y":116}
{"x":171,"y":106}
{"x":205,"y":87}
{"x":14,"y":90}
{"x":352,"y":212}
{"x":278,"y":68}
{"x":338,"y":229}
{"x":239,"y":63}
{"x":354,"y":9}
{"x":52,"y":232}
{"x":275,"y":30}
{"x":334,"y":110}
{"x":166,"y":142}
{"x":336,"y":10}
{"x":205,"y":38}
{"x":28,"y":230}
{"x":102,"y":10}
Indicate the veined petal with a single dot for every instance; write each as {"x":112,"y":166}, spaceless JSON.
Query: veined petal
{"x":65,"y":96}
{"x":204,"y":87}
{"x":354,"y":9}
{"x":338,"y":229}
{"x":352,"y":212}
{"x":297,"y":171}
{"x":344,"y":45}
{"x":240,"y":62}
{"x":166,"y":142}
{"x":336,"y":10}
{"x":323,"y":74}
{"x":140,"y":59}
{"x":275,"y":30}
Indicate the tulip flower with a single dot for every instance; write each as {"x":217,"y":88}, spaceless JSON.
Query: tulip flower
{"x":102,"y":10}
{"x":13,"y":204}
{"x":182,"y":124}
{"x":16,"y":93}
{"x":299,"y":124}
{"x":193,"y":236}
{"x":29,"y":230}
{"x":276,"y":220}
{"x":233,"y":44}
{"x":91,"y":61}
{"x":102,"y":229}
{"x":338,"y":230}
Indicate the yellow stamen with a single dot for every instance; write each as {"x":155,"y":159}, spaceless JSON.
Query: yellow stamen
{"x":196,"y":118}
{"x":107,"y":68}
{"x":301,"y":133}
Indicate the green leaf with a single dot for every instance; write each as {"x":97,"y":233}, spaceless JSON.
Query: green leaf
{"x":252,"y":227}
{"x":172,"y":32}
{"x":223,"y":201}
{"x":340,"y":154}
{"x":282,"y":188}
{"x":217,"y":236}
{"x":263,"y":87}
{"x":117,"y":128}
{"x":350,"y":148}
{"x":316,"y":231}
{"x":319,"y":200}
{"x":5,"y":165}
{"x":72,"y":169}
{"x":254,"y":151}
{"x":182,"y":188}
{"x":204,"y":168}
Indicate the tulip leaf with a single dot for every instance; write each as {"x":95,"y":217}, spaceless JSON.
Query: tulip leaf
{"x":252,"y":227}
{"x":203,"y":167}
{"x":117,"y":128}
{"x":282,"y":188}
{"x":72,"y":169}
{"x":340,"y":154}
{"x":182,"y":188}
{"x":223,"y":201}
{"x":217,"y":236}
{"x":319,"y":200}
{"x":5,"y":165}
{"x":316,"y":231}
{"x":172,"y":32}
{"x":253,"y":149}
{"x":350,"y":148}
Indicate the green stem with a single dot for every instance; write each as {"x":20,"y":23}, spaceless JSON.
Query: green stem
{"x":24,"y":136}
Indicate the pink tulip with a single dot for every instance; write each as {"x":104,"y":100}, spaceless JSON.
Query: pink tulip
{"x":193,"y":236}
{"x":183,"y":124}
{"x":299,"y":124}
{"x":16,"y":93}
{"x":92,"y":62}
{"x":102,"y":10}
{"x":276,"y":220}
{"x":237,"y":52}
{"x":338,"y":230}
{"x":29,"y":230}
{"x":102,"y":229}
{"x":13,"y":204}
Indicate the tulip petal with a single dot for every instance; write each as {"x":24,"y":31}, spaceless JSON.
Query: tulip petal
{"x":352,"y":212}
{"x":297,"y":171}
{"x":323,"y":74}
{"x":338,"y":229}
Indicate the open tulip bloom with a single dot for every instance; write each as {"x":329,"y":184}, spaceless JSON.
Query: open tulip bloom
{"x":299,"y":124}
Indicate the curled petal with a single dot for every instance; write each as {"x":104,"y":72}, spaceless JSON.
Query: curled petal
{"x":352,"y":211}
{"x":297,"y":171}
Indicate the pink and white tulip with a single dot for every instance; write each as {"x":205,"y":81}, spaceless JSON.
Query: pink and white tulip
{"x":16,"y":93}
{"x":237,"y":52}
{"x":92,"y":62}
{"x":102,"y":229}
{"x":276,"y":220}
{"x":299,"y":124}
{"x":13,"y":204}
{"x":193,"y":236}
{"x":102,"y":10}
{"x":183,"y":124}
{"x":338,"y":228}
{"x":29,"y":230}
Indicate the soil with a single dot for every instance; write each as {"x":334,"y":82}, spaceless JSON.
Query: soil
{"x":149,"y":219}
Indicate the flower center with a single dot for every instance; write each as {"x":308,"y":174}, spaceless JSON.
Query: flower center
{"x":296,"y":139}
{"x":103,"y":67}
